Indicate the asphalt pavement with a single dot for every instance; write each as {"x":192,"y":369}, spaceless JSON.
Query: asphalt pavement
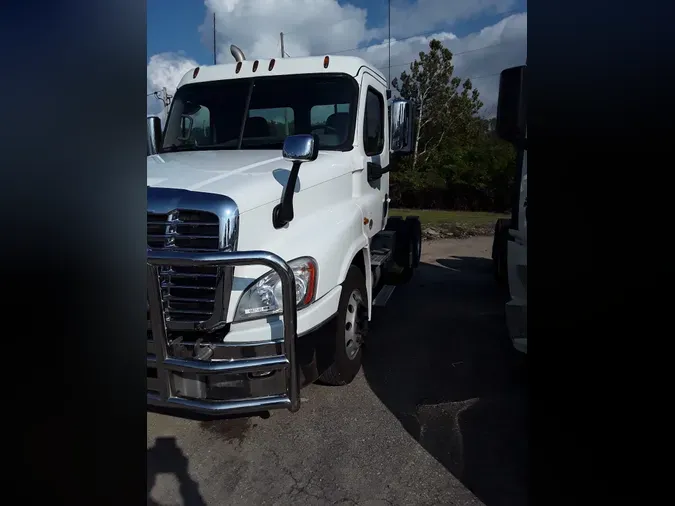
{"x":435,"y":417}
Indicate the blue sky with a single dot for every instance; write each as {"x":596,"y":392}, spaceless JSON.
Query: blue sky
{"x":485,"y":35}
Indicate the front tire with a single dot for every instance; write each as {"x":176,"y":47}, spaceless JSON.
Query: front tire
{"x":345,"y":334}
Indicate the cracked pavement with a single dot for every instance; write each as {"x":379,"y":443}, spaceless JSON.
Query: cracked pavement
{"x":436,"y":415}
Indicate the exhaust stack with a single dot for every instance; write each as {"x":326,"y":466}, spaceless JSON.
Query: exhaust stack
{"x":237,"y":53}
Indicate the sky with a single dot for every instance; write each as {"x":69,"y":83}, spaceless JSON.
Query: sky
{"x":486,"y":36}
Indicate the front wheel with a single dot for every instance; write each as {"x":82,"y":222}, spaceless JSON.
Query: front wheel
{"x":345,"y":334}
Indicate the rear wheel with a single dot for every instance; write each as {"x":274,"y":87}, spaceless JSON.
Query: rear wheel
{"x":499,"y":250}
{"x":407,"y":251}
{"x":345,"y":334}
{"x":414,"y":228}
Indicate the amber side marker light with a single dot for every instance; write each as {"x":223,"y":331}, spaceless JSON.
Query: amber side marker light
{"x":311,"y":285}
{"x":195,"y":72}
{"x":326,"y":60}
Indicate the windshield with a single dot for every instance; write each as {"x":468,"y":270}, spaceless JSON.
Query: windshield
{"x":214,"y":115}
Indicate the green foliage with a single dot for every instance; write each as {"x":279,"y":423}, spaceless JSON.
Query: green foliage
{"x":458,"y":163}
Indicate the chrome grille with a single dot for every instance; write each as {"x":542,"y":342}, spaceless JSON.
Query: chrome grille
{"x":188,"y":293}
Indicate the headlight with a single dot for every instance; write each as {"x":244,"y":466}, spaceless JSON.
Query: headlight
{"x":263,"y":297}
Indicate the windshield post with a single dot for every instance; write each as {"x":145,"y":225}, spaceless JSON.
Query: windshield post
{"x":246,"y":108}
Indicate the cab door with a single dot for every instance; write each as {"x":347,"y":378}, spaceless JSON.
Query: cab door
{"x":372,"y":141}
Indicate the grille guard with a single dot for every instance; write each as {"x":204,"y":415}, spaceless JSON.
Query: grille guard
{"x":165,"y":365}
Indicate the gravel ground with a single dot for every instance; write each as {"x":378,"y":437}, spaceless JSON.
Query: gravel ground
{"x":436,"y":415}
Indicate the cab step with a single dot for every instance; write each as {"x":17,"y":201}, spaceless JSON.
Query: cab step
{"x":383,"y":295}
{"x":379,"y":257}
{"x":382,"y":248}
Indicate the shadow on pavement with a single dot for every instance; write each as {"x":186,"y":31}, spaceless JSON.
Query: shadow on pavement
{"x":448,"y":372}
{"x":165,"y":457}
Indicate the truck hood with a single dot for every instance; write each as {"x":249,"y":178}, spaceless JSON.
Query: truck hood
{"x":251,"y":178}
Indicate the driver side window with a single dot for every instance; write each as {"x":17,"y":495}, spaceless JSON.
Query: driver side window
{"x":373,"y":128}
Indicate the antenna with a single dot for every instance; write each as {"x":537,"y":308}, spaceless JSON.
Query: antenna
{"x":389,"y":23}
{"x":214,"y":38}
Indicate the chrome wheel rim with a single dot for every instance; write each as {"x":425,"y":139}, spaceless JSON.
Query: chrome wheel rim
{"x":355,"y":324}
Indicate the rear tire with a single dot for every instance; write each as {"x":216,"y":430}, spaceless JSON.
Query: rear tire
{"x":345,"y":333}
{"x":499,"y":250}
{"x":415,"y":234}
{"x":407,"y":251}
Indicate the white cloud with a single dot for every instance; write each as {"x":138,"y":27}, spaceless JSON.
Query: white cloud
{"x":425,"y":15}
{"x":482,"y":55}
{"x":324,"y":26}
{"x":165,"y":70}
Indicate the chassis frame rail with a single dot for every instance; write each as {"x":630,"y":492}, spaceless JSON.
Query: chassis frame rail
{"x":167,"y":365}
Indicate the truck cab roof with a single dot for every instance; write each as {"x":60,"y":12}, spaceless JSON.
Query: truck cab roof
{"x":349,"y":65}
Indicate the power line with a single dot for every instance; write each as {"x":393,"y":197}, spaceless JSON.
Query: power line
{"x":458,"y":53}
{"x":475,"y":78}
{"x":422,"y":34}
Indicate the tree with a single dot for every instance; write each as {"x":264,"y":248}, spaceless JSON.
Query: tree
{"x":457,"y":161}
{"x":435,"y":96}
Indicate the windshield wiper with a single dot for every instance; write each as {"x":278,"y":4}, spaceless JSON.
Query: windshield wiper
{"x":178,"y":147}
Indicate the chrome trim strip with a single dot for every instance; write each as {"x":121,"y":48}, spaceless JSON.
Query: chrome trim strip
{"x":166,"y":365}
{"x":168,"y":200}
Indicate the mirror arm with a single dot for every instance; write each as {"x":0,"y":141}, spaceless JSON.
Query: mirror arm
{"x":283,"y":212}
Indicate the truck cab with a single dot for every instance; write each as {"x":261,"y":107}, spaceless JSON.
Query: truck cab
{"x":269,"y":235}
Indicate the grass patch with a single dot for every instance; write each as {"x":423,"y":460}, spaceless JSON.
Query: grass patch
{"x":438,"y":217}
{"x":437,"y":224}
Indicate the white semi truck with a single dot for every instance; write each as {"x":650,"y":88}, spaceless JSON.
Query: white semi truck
{"x":509,"y":250}
{"x":268,"y":230}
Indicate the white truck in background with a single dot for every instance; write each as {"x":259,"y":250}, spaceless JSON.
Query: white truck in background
{"x":509,"y":250}
{"x":268,"y":231}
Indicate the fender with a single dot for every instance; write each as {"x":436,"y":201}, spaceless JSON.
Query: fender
{"x":360,"y":246}
{"x":333,"y":236}
{"x":364,"y":254}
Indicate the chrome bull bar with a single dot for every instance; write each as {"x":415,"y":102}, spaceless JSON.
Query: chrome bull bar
{"x":167,"y":365}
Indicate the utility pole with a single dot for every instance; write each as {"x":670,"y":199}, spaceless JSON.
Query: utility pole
{"x":389,"y":23}
{"x":166,"y":98}
{"x":281,"y":35}
{"x":214,"y":38}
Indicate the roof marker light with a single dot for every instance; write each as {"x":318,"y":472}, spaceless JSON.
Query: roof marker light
{"x":236,"y":71}
{"x":255,"y":65}
{"x":272,"y":61}
{"x":326,"y":60}
{"x":195,"y":72}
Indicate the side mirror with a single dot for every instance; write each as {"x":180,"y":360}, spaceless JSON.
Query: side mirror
{"x":401,"y":126}
{"x":297,"y":149}
{"x":512,"y":105}
{"x":300,"y":148}
{"x":154,"y":134}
